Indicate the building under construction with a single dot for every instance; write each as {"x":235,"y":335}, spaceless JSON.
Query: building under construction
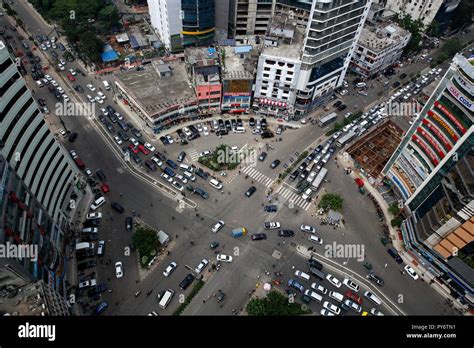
{"x":371,"y":152}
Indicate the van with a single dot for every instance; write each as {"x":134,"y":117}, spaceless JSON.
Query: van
{"x":186,"y":168}
{"x":189,"y":176}
{"x":165,"y":300}
{"x":302,"y":275}
{"x":84,"y":245}
{"x":313,"y":295}
{"x":106,"y":85}
{"x":239,"y":130}
{"x":90,"y":230}
{"x":317,"y":273}
{"x":336,"y":296}
{"x":216,"y":184}
{"x":373,"y":298}
{"x":361,"y":84}
{"x":98,"y":203}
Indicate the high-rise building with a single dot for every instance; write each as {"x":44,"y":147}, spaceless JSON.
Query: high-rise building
{"x":424,"y":10}
{"x":332,"y":32}
{"x":182,"y":23}
{"x":251,"y":17}
{"x":432,"y":170}
{"x":37,"y":178}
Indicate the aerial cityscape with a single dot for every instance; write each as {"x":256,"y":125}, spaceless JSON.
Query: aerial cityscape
{"x":237,"y":158}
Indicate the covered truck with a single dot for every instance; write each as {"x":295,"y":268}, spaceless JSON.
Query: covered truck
{"x":239,"y":232}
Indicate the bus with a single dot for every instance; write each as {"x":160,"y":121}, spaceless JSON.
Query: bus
{"x":345,"y":139}
{"x":319,"y":179}
{"x":165,"y":300}
{"x":325,"y":120}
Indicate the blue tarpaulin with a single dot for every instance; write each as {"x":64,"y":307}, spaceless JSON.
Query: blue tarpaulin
{"x":242,"y":49}
{"x":134,"y":42}
{"x":109,"y":54}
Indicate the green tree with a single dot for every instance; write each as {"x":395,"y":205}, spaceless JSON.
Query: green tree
{"x":274,"y":304}
{"x":396,"y":222}
{"x":146,"y":241}
{"x":415,"y":27}
{"x":109,"y":16}
{"x":394,"y":209}
{"x":90,"y":45}
{"x":332,"y":201}
{"x":434,"y":29}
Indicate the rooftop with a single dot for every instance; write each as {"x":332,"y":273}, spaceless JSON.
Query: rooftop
{"x":382,"y":35}
{"x":284,"y":38}
{"x":201,"y":56}
{"x":153,"y":93}
{"x":235,"y":67}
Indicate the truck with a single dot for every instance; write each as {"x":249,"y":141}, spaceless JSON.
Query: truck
{"x":345,"y":139}
{"x":106,"y":85}
{"x":325,"y":120}
{"x":239,"y":232}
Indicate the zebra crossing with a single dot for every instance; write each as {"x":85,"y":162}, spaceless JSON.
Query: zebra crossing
{"x":294,"y":197}
{"x":259,"y":177}
{"x":193,"y":154}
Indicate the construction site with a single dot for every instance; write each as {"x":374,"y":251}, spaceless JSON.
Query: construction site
{"x":371,"y":152}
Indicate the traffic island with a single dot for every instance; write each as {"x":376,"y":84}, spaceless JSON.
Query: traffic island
{"x":275,"y":304}
{"x":196,"y":288}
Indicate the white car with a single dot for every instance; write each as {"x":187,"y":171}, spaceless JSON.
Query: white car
{"x":320,"y":288}
{"x":351,"y":285}
{"x":224,"y":258}
{"x":217,"y":226}
{"x":87,"y":283}
{"x":150,"y":147}
{"x":152,"y":314}
{"x":325,"y":313}
{"x":271,"y":225}
{"x":205,"y":153}
{"x":411,"y":272}
{"x":88,"y":172}
{"x":169,"y":138}
{"x":157,"y":161}
{"x":62,"y":61}
{"x":73,"y":154}
{"x":43,"y":47}
{"x":100,"y":101}
{"x":307,"y":228}
{"x":177,"y":185}
{"x":92,"y":88}
{"x":376,"y":312}
{"x":331,"y":307}
{"x":39,"y":83}
{"x":62,"y":132}
{"x":73,"y":72}
{"x":54,"y":83}
{"x":316,"y":240}
{"x":187,"y":131}
{"x":167,"y":177}
{"x":205,"y":131}
{"x":60,"y":90}
{"x":303,"y":121}
{"x":172,"y":266}
{"x":101,"y":95}
{"x":201,"y":266}
{"x":118,"y":140}
{"x":134,"y":141}
{"x":199,"y":128}
{"x":118,"y":269}
{"x":61,"y":67}
{"x":120,"y":117}
{"x":48,"y":77}
{"x":104,"y":111}
{"x":93,"y":216}
{"x":351,"y":304}
{"x":333,"y":280}
{"x":344,"y":92}
{"x":182,"y":178}
{"x":91,"y":100}
{"x":65,"y":98}
{"x":100,"y":248}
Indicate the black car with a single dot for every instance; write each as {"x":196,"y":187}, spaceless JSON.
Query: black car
{"x":72,"y":137}
{"x":97,"y":290}
{"x":337,"y":104}
{"x":275,"y":164}
{"x":396,"y":84}
{"x":181,"y":156}
{"x":315,"y":264}
{"x":86,"y":265}
{"x":136,"y":133}
{"x":371,"y":276}
{"x":79,"y":89}
{"x":100,"y":174}
{"x":151,"y":165}
{"x":123,"y":136}
{"x":267,"y":134}
{"x":239,"y":123}
{"x":202,"y":174}
{"x":286,"y":233}
{"x":252,"y":122}
{"x":85,"y":254}
{"x":186,"y":281}
{"x":228,"y":125}
{"x":259,"y":236}
{"x":109,"y":127}
{"x":128,"y":223}
{"x":250,"y":191}
{"x":117,"y":207}
{"x":342,"y":107}
{"x":262,"y":156}
{"x":402,"y":76}
{"x":263,"y":123}
{"x":393,"y":253}
{"x":160,"y":156}
{"x":136,"y":158}
{"x":92,"y":222}
{"x":89,"y":237}
{"x":270,"y":208}
{"x":294,"y":175}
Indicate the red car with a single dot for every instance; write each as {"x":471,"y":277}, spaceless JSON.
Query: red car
{"x":134,"y":149}
{"x":143,"y":149}
{"x":70,"y":77}
{"x":105,"y":188}
{"x":356,"y":298}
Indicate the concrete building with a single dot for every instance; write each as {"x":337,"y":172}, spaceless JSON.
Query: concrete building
{"x":332,"y":32}
{"x":182,"y":23}
{"x":250,"y":17}
{"x":425,"y":10}
{"x":237,"y":78}
{"x":161,"y":94}
{"x":278,"y":67}
{"x":202,"y":64}
{"x":380,"y":45}
{"x":432,"y":170}
{"x":39,"y":183}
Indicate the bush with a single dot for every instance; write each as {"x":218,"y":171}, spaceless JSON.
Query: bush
{"x":146,"y":241}
{"x":394,"y":209}
{"x":196,"y":288}
{"x":222,"y":159}
{"x":275,"y":304}
{"x":332,"y":201}
{"x":396,"y":222}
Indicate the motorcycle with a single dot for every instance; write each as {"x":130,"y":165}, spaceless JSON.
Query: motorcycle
{"x":149,"y":292}
{"x":138,"y":293}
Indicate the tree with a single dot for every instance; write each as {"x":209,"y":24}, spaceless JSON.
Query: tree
{"x":332,"y":201}
{"x":109,"y":16}
{"x":274,"y":304}
{"x":396,"y":222}
{"x":90,"y":45}
{"x":146,"y":241}
{"x":434,"y":29}
{"x":415,"y":27}
{"x":394,"y":209}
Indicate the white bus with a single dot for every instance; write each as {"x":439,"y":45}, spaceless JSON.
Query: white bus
{"x":345,"y":139}
{"x":165,"y":300}
{"x":319,"y":179}
{"x":323,"y":121}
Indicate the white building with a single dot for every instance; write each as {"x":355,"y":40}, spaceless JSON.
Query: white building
{"x":333,"y":29}
{"x":379,"y":46}
{"x":165,"y":18}
{"x":425,"y":10}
